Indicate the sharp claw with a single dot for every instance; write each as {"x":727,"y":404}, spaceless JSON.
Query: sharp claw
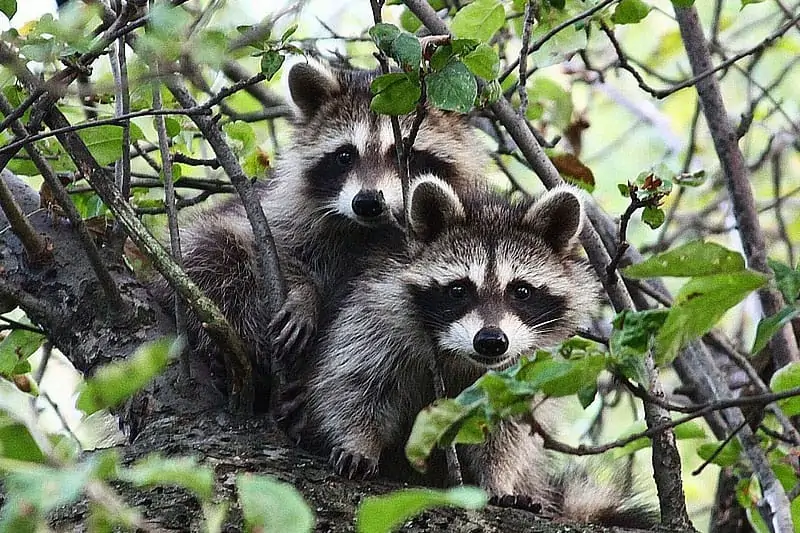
{"x":287,"y":330}
{"x":279,"y":318}
{"x":516,"y":501}
{"x":291,"y":341}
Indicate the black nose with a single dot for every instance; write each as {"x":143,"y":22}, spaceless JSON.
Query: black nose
{"x":490,"y":342}
{"x":368,"y":204}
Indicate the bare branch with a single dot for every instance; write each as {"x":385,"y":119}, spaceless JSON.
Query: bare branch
{"x":783,"y":346}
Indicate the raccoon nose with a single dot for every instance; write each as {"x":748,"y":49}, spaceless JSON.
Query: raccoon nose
{"x":368,"y":204}
{"x":490,"y":342}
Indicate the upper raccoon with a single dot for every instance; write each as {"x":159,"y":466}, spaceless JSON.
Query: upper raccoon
{"x":483,"y":283}
{"x":335,"y":200}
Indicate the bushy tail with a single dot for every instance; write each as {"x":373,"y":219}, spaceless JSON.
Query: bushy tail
{"x":592,"y":492}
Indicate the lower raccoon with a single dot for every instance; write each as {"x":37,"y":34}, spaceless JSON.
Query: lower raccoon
{"x":483,"y":283}
{"x":335,"y":201}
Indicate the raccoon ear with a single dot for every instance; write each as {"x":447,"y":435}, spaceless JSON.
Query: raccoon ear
{"x":557,"y":217}
{"x":311,"y":85}
{"x":432,"y":206}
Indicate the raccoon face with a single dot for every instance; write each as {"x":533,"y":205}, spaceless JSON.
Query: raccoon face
{"x":345,"y":154}
{"x":490,"y":280}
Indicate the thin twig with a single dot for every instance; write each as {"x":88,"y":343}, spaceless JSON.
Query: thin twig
{"x":172,"y":215}
{"x":523,"y":57}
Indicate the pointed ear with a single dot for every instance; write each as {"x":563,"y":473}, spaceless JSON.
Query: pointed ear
{"x":311,"y":85}
{"x":557,"y":217}
{"x":432,"y":206}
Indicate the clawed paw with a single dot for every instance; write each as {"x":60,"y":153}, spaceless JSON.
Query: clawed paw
{"x":353,"y":465}
{"x":291,"y":329}
{"x":516,"y":501}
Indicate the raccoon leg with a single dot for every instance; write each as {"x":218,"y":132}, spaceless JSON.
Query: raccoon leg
{"x":508,"y":466}
{"x":294,"y":326}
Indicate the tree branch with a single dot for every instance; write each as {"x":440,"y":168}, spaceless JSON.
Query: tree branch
{"x":783,"y":345}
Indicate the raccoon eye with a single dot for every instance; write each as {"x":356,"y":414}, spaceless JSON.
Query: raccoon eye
{"x":457,"y":290}
{"x":521,"y":291}
{"x":346,"y":156}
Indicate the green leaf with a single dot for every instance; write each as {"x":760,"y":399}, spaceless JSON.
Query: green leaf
{"x":699,"y":305}
{"x":483,"y":62}
{"x":787,"y":279}
{"x":769,"y":326}
{"x":441,"y":57}
{"x":683,"y":3}
{"x":8,"y":8}
{"x":44,"y":488}
{"x":727,"y":456}
{"x":105,"y":142}
{"x":209,"y":48}
{"x":395,"y":93}
{"x":288,"y":33}
{"x":385,"y":513}
{"x":479,"y":20}
{"x":16,"y":347}
{"x":16,"y":441}
{"x":399,"y":45}
{"x":409,"y":21}
{"x":243,"y":136}
{"x":564,"y":378}
{"x":271,"y":62}
{"x":407,"y":51}
{"x":630,"y":12}
{"x":173,"y":126}
{"x":116,"y":382}
{"x":271,"y":506}
{"x":430,"y":426}
{"x":787,"y":378}
{"x":653,"y":216}
{"x":453,"y":88}
{"x":748,"y":2}
{"x":555,"y":102}
{"x":384,"y":35}
{"x":696,"y":258}
{"x":635,"y":329}
{"x":183,"y":472}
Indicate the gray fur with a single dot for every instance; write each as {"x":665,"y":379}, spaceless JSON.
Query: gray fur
{"x":373,"y":370}
{"x":321,"y":245}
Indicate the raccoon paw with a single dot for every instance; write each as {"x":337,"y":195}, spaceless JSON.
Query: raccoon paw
{"x":289,"y":412}
{"x":516,"y":501}
{"x":353,"y":465}
{"x":292,"y":328}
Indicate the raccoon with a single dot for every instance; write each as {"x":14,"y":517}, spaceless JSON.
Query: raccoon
{"x":335,"y":200}
{"x":483,"y":282}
